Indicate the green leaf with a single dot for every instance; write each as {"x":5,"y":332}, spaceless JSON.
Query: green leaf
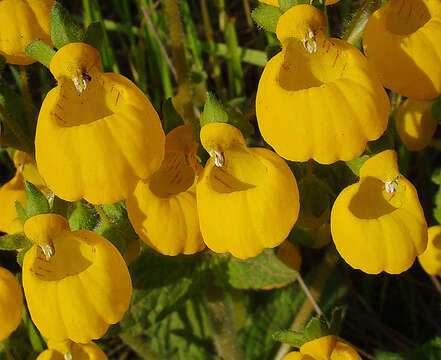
{"x":21,"y":212}
{"x":170,"y":117}
{"x":437,"y":215}
{"x":314,"y":195}
{"x":36,"y":203}
{"x":429,"y":351}
{"x":59,"y":206}
{"x":161,"y":284}
{"x":287,"y":4}
{"x":13,"y":242}
{"x":289,"y":337}
{"x":94,"y":35}
{"x":356,"y":164}
{"x":82,"y":216}
{"x":22,"y":253}
{"x":264,"y":270}
{"x":40,"y":51}
{"x":266,"y":17}
{"x":316,"y":328}
{"x":63,"y":29}
{"x":213,"y":111}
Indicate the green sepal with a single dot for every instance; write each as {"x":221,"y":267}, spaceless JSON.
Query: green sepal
{"x":266,"y":17}
{"x":2,"y":63}
{"x":436,"y":109}
{"x":356,"y":164}
{"x":63,"y":29}
{"x":264,"y":270}
{"x":293,"y":338}
{"x":82,"y":216}
{"x":59,"y":206}
{"x":13,"y":241}
{"x":214,"y":111}
{"x":94,"y":35}
{"x":21,"y":212}
{"x":21,"y":254}
{"x":170,"y":117}
{"x":316,"y":328}
{"x":36,"y":202}
{"x":287,"y":4}
{"x":41,"y":52}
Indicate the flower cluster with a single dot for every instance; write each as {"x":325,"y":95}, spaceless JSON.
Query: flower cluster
{"x":99,"y":138}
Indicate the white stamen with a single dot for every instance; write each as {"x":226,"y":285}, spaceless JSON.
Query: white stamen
{"x":80,"y":86}
{"x":310,"y":43}
{"x":392,"y":186}
{"x":68,"y":356}
{"x":48,"y":251}
{"x":219,"y":160}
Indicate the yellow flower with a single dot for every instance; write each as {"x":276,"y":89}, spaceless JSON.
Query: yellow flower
{"x":97,"y":133}
{"x":401,"y":41}
{"x":76,"y":283}
{"x":318,"y":98}
{"x":163,"y":210}
{"x":430,"y":259}
{"x":247,"y":198}
{"x":11,"y":303}
{"x":378,"y":224}
{"x":21,"y":22}
{"x":415,"y":124}
{"x":14,"y":191}
{"x":69,"y":350}
{"x":324,"y":348}
{"x":276,"y":2}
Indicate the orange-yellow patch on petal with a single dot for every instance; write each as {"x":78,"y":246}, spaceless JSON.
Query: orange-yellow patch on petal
{"x":318,"y":98}
{"x":21,"y":22}
{"x":415,"y":124}
{"x":378,"y":224}
{"x":163,"y":210}
{"x":247,"y":198}
{"x":11,"y":303}
{"x":401,"y":41}
{"x":81,"y":288}
{"x":97,"y":133}
{"x":430,"y":259}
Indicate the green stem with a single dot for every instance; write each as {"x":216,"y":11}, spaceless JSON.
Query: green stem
{"x":355,"y":29}
{"x":222,"y":324}
{"x":184,"y":97}
{"x":28,"y":99}
{"x":139,"y":346}
{"x":307,"y":308}
{"x":23,"y":140}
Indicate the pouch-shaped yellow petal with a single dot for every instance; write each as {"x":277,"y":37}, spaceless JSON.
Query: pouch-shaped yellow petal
{"x":318,"y":98}
{"x":401,"y":41}
{"x":11,"y":192}
{"x":343,"y":351}
{"x":247,"y":198}
{"x":97,"y":133}
{"x":430,"y":259}
{"x":321,"y":348}
{"x":378,"y":224}
{"x":415,"y":124}
{"x":11,"y":303}
{"x":294,"y":355}
{"x":67,"y":349}
{"x":163,"y":210}
{"x":21,"y":22}
{"x":80,"y":289}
